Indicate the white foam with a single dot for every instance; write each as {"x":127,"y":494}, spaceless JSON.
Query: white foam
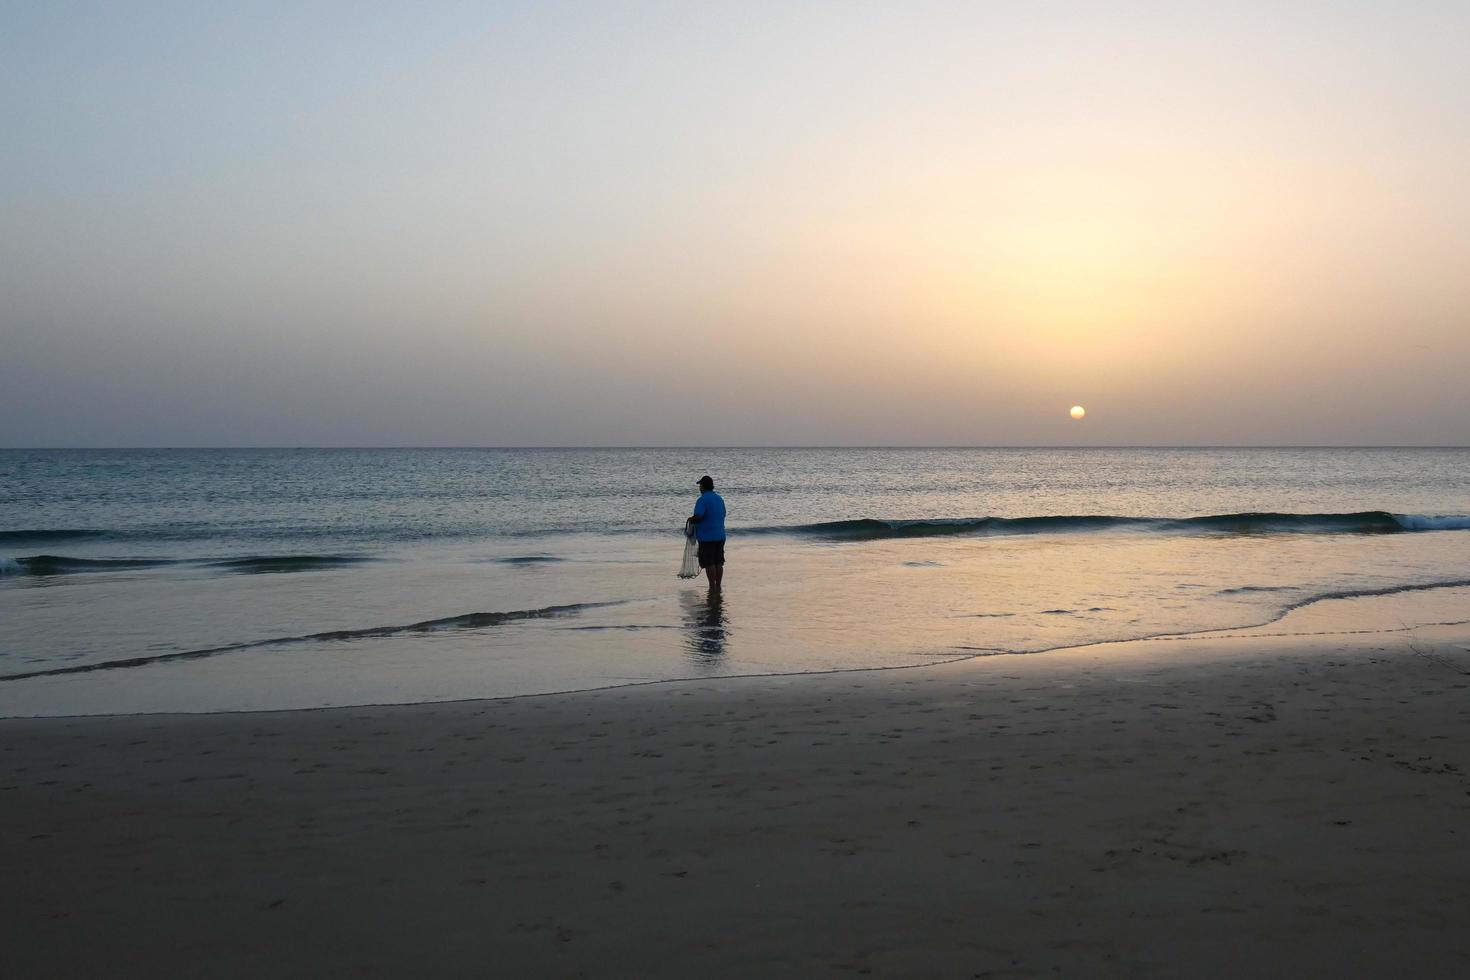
{"x":1434,"y":522}
{"x":9,"y":566}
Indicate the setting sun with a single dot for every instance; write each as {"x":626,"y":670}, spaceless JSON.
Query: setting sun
{"x":1078,"y":411}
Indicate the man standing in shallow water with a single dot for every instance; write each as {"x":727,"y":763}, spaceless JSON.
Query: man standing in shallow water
{"x":709,"y":530}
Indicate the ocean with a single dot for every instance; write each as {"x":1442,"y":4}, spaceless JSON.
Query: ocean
{"x":210,"y":580}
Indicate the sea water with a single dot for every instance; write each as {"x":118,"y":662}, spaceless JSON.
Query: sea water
{"x":203,"y":580}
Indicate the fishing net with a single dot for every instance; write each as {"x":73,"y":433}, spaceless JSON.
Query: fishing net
{"x":690,"y":568}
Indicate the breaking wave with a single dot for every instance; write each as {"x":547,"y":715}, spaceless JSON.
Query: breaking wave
{"x":1434,"y":522}
{"x":252,"y":564}
{"x":1362,"y":522}
{"x":863,"y":529}
{"x":61,"y":565}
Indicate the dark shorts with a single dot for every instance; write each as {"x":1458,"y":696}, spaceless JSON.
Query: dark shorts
{"x":711,"y":553}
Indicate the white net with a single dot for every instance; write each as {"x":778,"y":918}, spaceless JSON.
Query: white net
{"x":690,"y":567}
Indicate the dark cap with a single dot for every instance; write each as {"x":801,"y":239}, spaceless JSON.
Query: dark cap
{"x":706,"y":483}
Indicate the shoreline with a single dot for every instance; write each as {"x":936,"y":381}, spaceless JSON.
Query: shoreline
{"x":1357,"y":606}
{"x":1213,"y":806}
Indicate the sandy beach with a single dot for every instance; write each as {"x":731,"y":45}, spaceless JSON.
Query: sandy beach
{"x":1263,"y":803}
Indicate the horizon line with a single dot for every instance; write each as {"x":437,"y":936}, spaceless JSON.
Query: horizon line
{"x":678,"y":447}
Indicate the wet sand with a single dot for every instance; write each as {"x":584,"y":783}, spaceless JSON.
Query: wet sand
{"x":1247,"y":805}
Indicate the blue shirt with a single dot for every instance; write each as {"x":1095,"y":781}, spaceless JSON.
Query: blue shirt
{"x":710,"y":509}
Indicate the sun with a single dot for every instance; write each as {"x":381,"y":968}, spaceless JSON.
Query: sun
{"x":1078,"y":412}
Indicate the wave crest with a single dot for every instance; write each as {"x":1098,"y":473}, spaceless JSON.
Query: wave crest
{"x":62,"y":565}
{"x":1361,"y":522}
{"x":1434,"y":522}
{"x":251,"y":564}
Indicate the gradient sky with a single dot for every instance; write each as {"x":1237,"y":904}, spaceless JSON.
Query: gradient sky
{"x":734,"y":224}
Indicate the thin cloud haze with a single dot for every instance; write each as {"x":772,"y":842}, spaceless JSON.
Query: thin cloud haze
{"x":675,"y":224}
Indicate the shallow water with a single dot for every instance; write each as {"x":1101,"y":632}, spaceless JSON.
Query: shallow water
{"x":209,"y":580}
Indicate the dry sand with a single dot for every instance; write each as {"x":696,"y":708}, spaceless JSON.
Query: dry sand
{"x":1238,"y":806}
